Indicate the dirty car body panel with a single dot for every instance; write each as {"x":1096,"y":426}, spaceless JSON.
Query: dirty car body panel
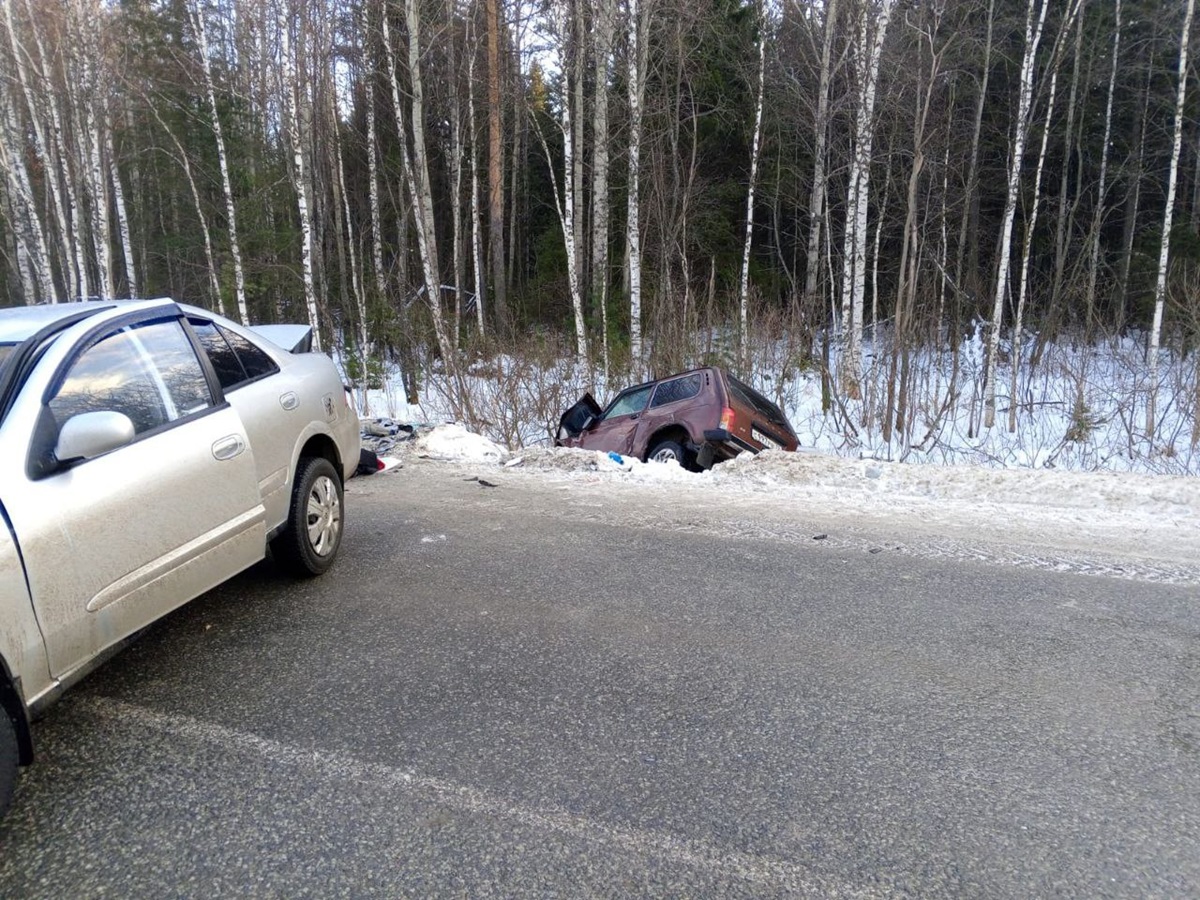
{"x":707,"y":413}
{"x":149,"y":452}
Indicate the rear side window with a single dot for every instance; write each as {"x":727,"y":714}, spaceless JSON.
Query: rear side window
{"x":149,"y":372}
{"x":757,"y":402}
{"x":677,"y":389}
{"x":236,"y":360}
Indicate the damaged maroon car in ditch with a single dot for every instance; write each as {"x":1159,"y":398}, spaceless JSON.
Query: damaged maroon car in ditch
{"x":695,"y":419}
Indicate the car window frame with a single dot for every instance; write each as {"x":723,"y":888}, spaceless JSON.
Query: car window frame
{"x":40,"y":462}
{"x":699,"y":378}
{"x":648,"y":388}
{"x":191,"y":319}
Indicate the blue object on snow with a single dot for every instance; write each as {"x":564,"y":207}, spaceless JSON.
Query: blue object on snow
{"x":616,"y":457}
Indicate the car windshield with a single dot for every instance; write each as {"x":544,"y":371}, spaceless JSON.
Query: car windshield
{"x":630,"y":402}
{"x":5,"y":351}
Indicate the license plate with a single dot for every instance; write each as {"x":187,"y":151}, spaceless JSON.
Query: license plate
{"x":765,"y":440}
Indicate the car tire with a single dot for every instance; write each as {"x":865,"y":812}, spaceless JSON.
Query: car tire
{"x":309,"y":543}
{"x":10,"y":758}
{"x":667,"y":452}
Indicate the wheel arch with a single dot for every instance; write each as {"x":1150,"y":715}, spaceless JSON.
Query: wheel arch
{"x":323,"y":446}
{"x":13,"y":706}
{"x":672,"y":432}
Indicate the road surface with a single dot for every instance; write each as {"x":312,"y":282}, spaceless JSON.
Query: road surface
{"x":566,"y":687}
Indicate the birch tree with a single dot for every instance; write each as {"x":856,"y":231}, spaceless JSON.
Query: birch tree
{"x":1102,"y":185}
{"x":868,"y":50}
{"x":633,"y":240}
{"x":30,"y":237}
{"x":476,"y":212}
{"x":1164,"y":252}
{"x":1033,"y":36}
{"x":426,"y":249}
{"x":299,"y":173}
{"x":67,"y":246}
{"x":744,"y":283}
{"x":199,"y":29}
{"x":602,"y":52}
{"x":1031,"y":227}
{"x":816,"y":203}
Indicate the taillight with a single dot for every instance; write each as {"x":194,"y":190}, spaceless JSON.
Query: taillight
{"x":727,"y":418}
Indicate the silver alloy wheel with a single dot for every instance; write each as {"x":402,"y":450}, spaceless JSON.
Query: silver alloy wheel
{"x":324,"y":516}
{"x":666,"y":455}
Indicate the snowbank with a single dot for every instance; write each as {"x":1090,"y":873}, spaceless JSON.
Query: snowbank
{"x":454,"y":443}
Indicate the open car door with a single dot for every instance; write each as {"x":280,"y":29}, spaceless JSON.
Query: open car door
{"x":574,"y":419}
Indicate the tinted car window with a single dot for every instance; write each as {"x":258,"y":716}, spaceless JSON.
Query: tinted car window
{"x":254,"y":361}
{"x":629,"y":402}
{"x":150,"y":373}
{"x":677,"y":389}
{"x":224,"y":360}
{"x":757,"y":402}
{"x":236,"y":360}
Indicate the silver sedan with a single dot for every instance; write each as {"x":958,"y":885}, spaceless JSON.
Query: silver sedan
{"x":148,"y":452}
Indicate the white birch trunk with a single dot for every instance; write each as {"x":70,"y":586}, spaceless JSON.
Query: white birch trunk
{"x":235,"y":248}
{"x":816,"y":204}
{"x":633,"y":243}
{"x":1102,"y":186}
{"x":579,"y":221}
{"x":868,"y":52}
{"x":85,"y":88}
{"x":59,"y":166}
{"x":567,"y":205}
{"x":356,"y":279}
{"x":42,"y":150}
{"x":292,"y":127}
{"x":744,"y":284}
{"x":600,"y":163}
{"x":423,"y":201}
{"x":1026,"y":248}
{"x":1033,"y":37}
{"x":457,"y":150}
{"x":37,"y":280}
{"x":476,"y":212}
{"x":424,"y":247}
{"x":1160,"y":286}
{"x":373,"y":173}
{"x":122,"y":217}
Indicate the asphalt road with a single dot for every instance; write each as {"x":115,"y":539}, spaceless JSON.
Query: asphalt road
{"x":558,"y":689}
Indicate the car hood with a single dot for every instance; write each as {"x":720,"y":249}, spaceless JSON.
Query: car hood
{"x":572,"y":422}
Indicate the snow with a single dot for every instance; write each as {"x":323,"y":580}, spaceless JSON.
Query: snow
{"x":455,"y":443}
{"x":1117,"y":513}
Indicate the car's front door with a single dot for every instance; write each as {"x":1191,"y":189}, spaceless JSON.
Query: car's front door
{"x":113,"y":542}
{"x":617,"y":426}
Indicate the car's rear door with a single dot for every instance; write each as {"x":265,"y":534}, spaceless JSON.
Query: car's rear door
{"x":114,"y":542}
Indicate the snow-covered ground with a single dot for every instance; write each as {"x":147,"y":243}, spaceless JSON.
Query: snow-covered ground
{"x":1077,"y":407}
{"x":1125,"y":515}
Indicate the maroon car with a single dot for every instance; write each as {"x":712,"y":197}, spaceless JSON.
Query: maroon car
{"x":695,"y":418}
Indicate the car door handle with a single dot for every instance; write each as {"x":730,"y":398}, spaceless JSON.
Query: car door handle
{"x":228,"y":447}
{"x":289,"y":401}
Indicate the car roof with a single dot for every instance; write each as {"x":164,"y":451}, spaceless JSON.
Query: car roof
{"x":20,"y":322}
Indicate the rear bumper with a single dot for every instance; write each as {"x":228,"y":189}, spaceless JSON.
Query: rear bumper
{"x":720,"y":445}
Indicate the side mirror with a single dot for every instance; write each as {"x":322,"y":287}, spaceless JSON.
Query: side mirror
{"x":91,"y":434}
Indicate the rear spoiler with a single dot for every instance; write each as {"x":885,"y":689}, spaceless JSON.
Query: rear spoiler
{"x":293,"y":338}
